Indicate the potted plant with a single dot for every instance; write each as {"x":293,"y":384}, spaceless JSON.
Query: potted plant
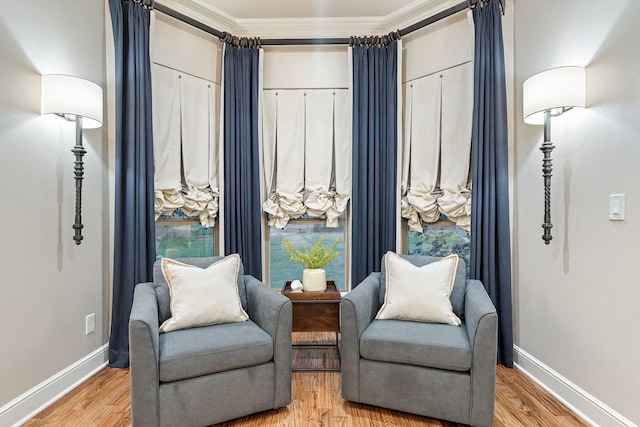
{"x":314,"y":278}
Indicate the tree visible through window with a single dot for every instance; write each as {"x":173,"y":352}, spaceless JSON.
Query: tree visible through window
{"x":179,"y":236}
{"x":441,"y":240}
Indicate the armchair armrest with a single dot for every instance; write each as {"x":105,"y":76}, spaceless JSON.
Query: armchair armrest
{"x":273,"y":313}
{"x":357,"y":310}
{"x":481,"y":321}
{"x":480,"y":314}
{"x":143,"y":355}
{"x":267,"y":308}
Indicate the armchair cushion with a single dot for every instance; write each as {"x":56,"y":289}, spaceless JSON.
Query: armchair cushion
{"x":459,"y":284}
{"x":162,"y":287}
{"x":194,"y":352}
{"x":202,"y":296}
{"x":419,"y":294}
{"x":415,"y":343}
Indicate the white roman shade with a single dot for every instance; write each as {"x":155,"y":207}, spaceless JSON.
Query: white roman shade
{"x":437,"y":148}
{"x":306,"y":138}
{"x":185,"y":145}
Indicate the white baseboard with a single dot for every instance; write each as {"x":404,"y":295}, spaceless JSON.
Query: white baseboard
{"x":24,"y":407}
{"x":579,"y":401}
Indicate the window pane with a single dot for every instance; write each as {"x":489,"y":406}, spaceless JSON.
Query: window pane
{"x":441,"y":240}
{"x":183,"y":241}
{"x":282,"y":269}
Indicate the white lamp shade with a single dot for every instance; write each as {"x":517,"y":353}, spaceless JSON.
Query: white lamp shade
{"x":562,"y":87}
{"x":73,"y":96}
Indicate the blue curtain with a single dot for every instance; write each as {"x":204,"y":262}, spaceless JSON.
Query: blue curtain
{"x":374,"y":157}
{"x":134,"y":233}
{"x":490,"y":236}
{"x":242,"y":210}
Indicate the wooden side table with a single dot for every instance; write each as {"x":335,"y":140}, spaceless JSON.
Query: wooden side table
{"x":316,"y":312}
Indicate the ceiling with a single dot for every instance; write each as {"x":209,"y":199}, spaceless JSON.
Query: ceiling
{"x":261,"y":9}
{"x":307,"y":18}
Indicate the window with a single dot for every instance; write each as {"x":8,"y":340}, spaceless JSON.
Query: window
{"x":185,"y":142}
{"x":281,"y":269}
{"x":436,"y":181}
{"x":179,"y":236}
{"x":307,"y":176}
{"x":441,"y":239}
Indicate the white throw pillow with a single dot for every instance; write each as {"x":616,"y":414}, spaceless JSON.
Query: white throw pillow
{"x":203,"y":296}
{"x":419,"y":294}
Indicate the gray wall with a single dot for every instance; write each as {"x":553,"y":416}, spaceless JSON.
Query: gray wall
{"x":576,"y":300}
{"x":47,"y":283}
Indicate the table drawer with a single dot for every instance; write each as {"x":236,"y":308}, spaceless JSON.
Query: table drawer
{"x":316,"y":317}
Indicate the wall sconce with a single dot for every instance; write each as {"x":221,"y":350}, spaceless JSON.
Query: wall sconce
{"x":545,"y":95}
{"x":80,"y":101}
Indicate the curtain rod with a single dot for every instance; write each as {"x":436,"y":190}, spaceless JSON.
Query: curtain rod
{"x":320,"y":41}
{"x":187,"y":20}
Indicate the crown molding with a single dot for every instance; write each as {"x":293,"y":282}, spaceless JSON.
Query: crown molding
{"x":416,"y":12}
{"x":308,"y":27}
{"x":203,"y":13}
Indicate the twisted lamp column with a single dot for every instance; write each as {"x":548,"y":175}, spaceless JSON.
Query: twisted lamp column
{"x":78,"y":170}
{"x":546,"y":148}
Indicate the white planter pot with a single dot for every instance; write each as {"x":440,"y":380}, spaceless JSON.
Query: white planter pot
{"x":314,"y":280}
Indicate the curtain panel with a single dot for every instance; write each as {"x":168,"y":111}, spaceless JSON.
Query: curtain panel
{"x":306,"y":154}
{"x":437,"y":148}
{"x":134,"y":229}
{"x":490,"y":239}
{"x":185,"y":145}
{"x":374,"y":164}
{"x":242,"y":71}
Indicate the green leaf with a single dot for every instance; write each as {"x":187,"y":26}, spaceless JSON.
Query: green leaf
{"x":316,"y":257}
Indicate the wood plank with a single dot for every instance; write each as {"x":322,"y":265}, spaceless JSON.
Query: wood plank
{"x":104,"y":400}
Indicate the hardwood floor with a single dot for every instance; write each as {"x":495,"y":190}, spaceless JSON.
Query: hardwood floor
{"x":104,"y":401}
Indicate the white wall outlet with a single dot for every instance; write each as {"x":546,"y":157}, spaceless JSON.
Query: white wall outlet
{"x":616,"y":207}
{"x":90,"y":324}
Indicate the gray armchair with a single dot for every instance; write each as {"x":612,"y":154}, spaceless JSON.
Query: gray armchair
{"x":435,"y":370}
{"x":206,"y":375}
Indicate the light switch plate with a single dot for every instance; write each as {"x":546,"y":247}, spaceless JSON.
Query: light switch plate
{"x":616,"y":207}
